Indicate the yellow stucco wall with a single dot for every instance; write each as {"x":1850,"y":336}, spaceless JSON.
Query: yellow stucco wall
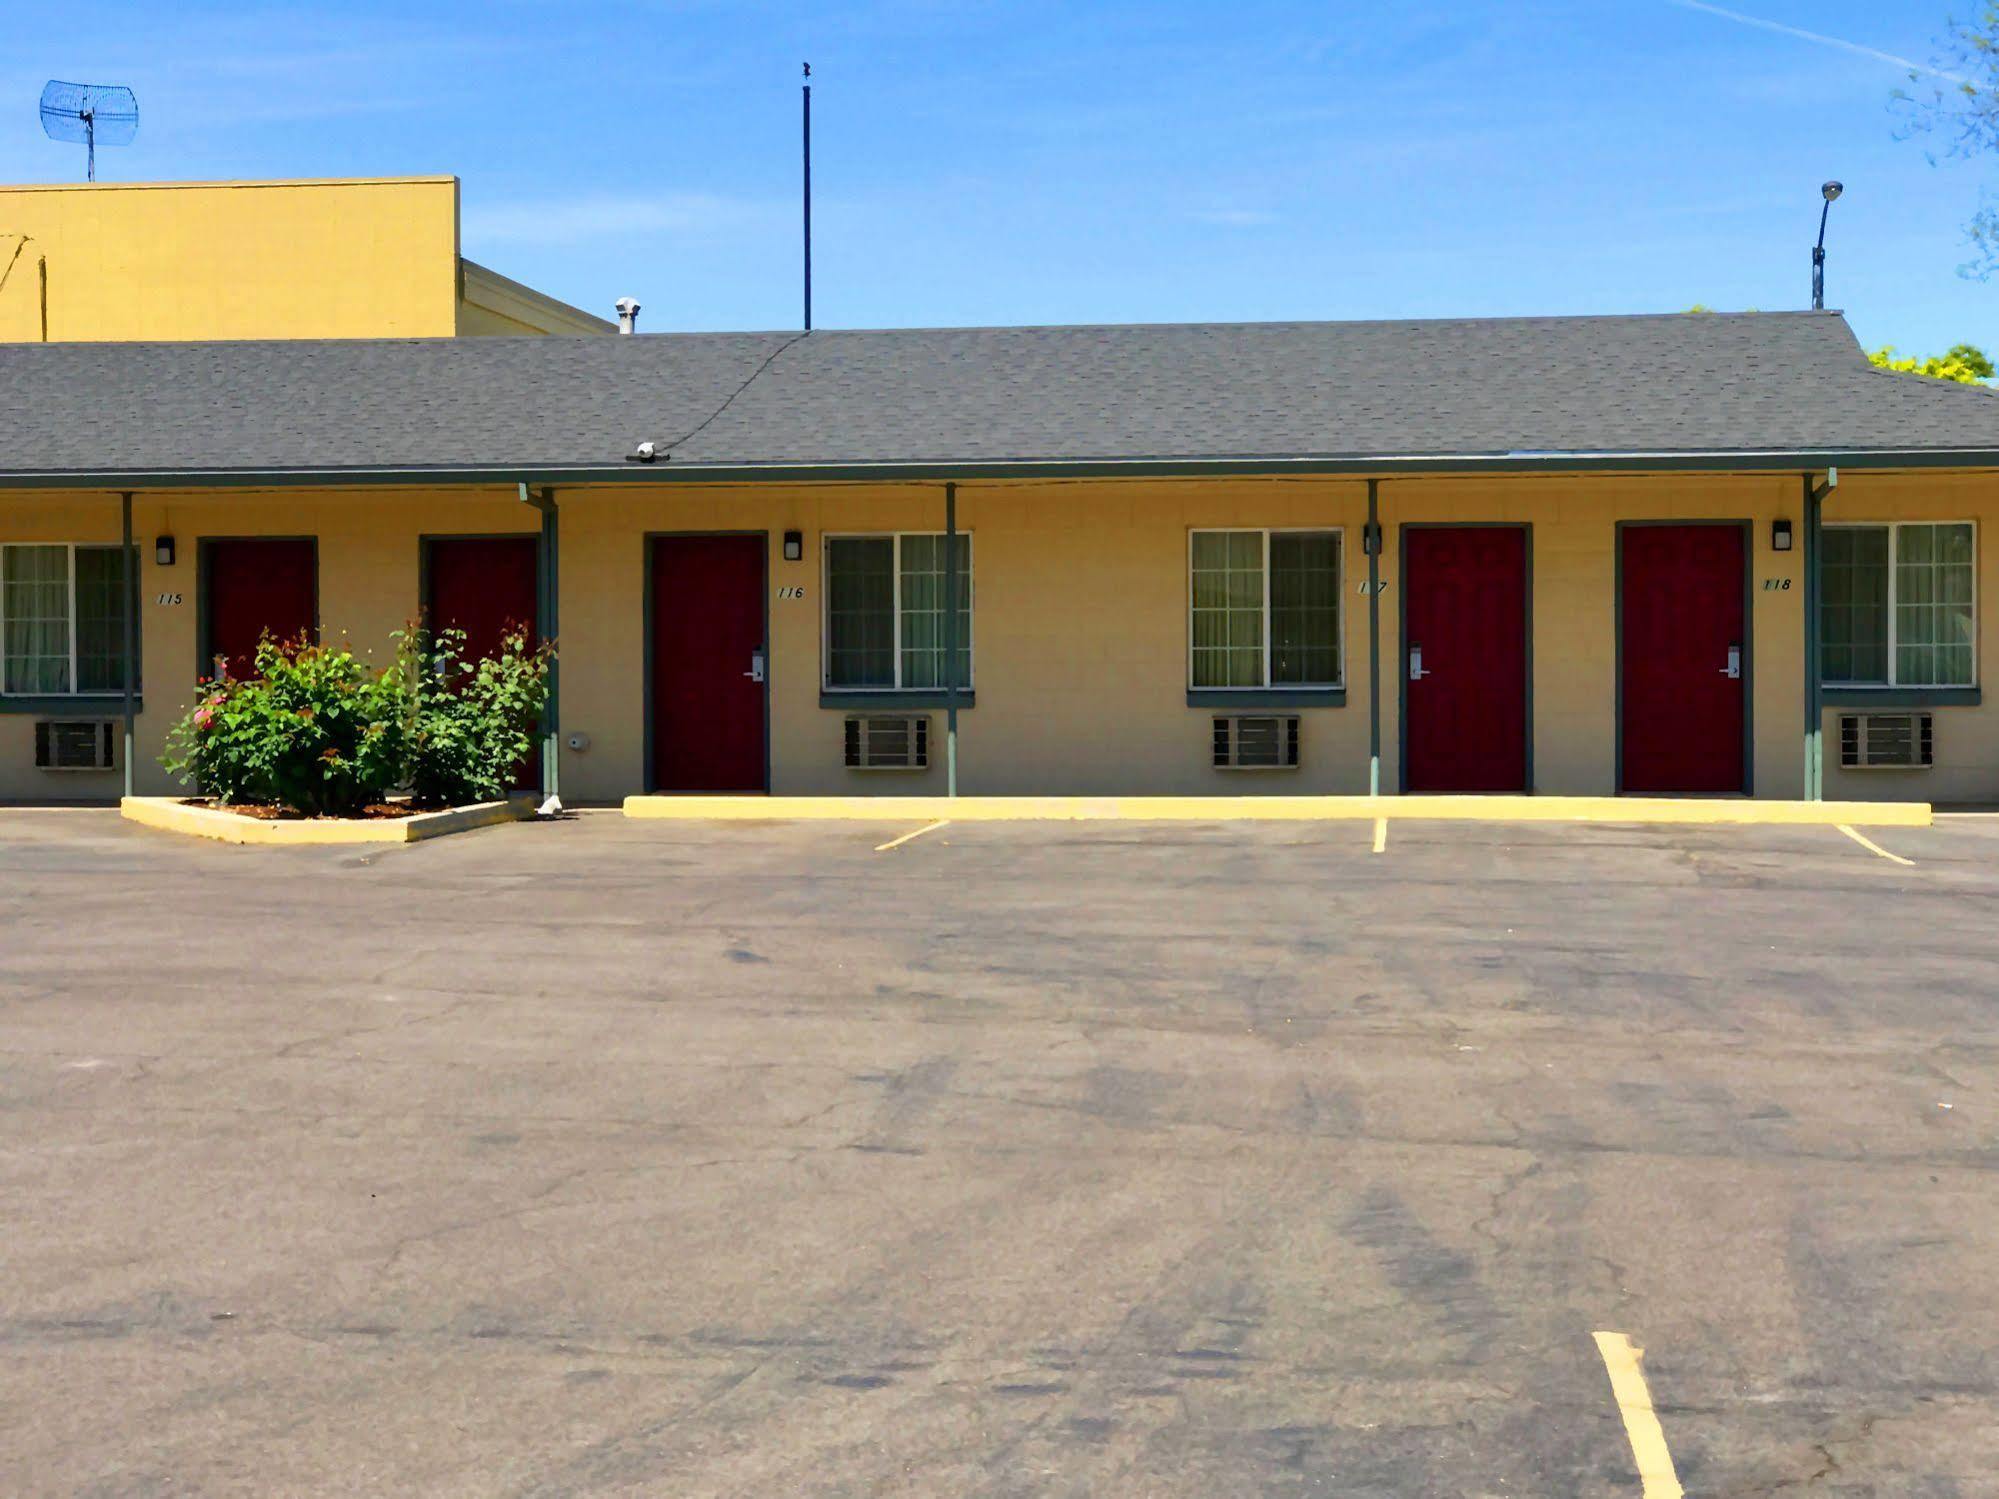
{"x":358,"y":258}
{"x":1080,"y":619}
{"x":1574,"y":562}
{"x":202,"y":260}
{"x":1079,"y":628}
{"x":1966,"y":738}
{"x":368,"y":586}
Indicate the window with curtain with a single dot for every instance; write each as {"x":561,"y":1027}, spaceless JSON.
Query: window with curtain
{"x":62,"y":620}
{"x":1265,"y":609}
{"x":885,"y":612}
{"x":1897,"y":606}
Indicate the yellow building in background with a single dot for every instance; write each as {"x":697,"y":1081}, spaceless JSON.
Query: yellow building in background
{"x":339,"y":258}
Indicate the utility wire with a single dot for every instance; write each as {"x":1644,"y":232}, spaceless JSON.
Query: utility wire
{"x":702,"y":426}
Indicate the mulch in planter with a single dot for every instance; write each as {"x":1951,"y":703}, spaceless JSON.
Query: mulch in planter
{"x":264,"y":812}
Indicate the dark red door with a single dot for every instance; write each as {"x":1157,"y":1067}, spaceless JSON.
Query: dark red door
{"x":1465,"y":657}
{"x":254,"y":587}
{"x":483,"y":585}
{"x":708,"y":663}
{"x":1684,"y":658}
{"x":486,"y":586}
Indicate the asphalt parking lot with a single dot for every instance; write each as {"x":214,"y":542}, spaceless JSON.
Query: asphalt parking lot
{"x":607,"y":1157}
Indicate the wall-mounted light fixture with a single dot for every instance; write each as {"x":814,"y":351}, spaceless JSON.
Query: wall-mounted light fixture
{"x":163,"y":550}
{"x":1370,"y":539}
{"x":1780,"y":536}
{"x":794,"y":546}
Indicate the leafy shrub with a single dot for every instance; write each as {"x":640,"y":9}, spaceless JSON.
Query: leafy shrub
{"x":320,"y":732}
{"x":317,"y":731}
{"x":475,"y":720}
{"x":1966,"y":364}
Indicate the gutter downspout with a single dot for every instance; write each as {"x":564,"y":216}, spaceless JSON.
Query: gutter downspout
{"x":128,"y":580}
{"x":547,"y":604}
{"x":1371,"y":543}
{"x":950,"y":640}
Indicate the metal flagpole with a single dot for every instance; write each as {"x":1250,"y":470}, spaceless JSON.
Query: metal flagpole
{"x":808,"y":197}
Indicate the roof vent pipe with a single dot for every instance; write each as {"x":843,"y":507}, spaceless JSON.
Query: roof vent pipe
{"x":628,"y":314}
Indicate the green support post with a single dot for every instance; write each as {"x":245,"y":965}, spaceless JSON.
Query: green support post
{"x":1814,"y":716}
{"x":1814,"y":584}
{"x":950,"y":640}
{"x":547,"y":602}
{"x":128,"y":579}
{"x":1372,"y":544}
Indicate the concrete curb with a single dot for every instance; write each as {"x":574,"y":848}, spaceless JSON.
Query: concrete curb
{"x":172,"y":814}
{"x":1684,"y":810}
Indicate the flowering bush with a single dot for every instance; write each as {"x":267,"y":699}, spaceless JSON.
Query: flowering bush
{"x":475,"y":720}
{"x":320,"y":732}
{"x":316,"y":730}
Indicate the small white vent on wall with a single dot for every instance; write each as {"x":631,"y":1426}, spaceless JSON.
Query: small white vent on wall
{"x":888,"y":742}
{"x":73,"y":744}
{"x":1886,"y":741}
{"x":1259,"y":742}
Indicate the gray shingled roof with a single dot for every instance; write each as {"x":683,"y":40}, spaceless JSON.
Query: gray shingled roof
{"x":1787,"y":383}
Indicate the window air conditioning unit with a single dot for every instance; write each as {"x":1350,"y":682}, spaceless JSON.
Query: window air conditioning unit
{"x":73,"y":744}
{"x":888,"y":742}
{"x":1886,"y":741}
{"x":1263,"y":742}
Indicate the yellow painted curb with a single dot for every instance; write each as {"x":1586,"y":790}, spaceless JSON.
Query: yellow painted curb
{"x":1655,"y":809}
{"x":172,"y":814}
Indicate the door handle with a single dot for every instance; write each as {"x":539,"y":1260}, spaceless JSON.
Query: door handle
{"x":1416,"y":672}
{"x":756,"y":671}
{"x":1733,"y":671}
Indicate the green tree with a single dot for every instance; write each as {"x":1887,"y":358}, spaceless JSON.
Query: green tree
{"x":1956,"y":103}
{"x":1964,"y":363}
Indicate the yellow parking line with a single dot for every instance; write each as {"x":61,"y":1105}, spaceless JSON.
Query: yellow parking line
{"x":882,"y":848}
{"x":1870,"y":845}
{"x":1380,"y":834}
{"x":1625,"y":1362}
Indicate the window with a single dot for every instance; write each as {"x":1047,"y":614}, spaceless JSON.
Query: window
{"x":1265,"y":608}
{"x":1898,"y":605}
{"x":885,"y":612}
{"x":62,"y":620}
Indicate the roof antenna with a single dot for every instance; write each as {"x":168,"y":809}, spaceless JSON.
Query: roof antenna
{"x":808,"y":197}
{"x":97,"y":114}
{"x":1830,"y":190}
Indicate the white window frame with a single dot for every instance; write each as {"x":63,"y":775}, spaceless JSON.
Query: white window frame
{"x":74,"y":677}
{"x":1339,"y":606}
{"x":1894,"y":663}
{"x":826,"y":541}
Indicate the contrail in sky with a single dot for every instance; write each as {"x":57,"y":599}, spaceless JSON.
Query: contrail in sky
{"x":1906,"y":63}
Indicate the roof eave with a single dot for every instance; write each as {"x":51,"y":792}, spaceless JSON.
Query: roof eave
{"x":1335,"y":465}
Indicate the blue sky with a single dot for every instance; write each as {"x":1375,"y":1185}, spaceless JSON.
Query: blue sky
{"x":1051,"y":162}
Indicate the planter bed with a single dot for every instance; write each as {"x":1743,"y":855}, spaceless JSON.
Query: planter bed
{"x":387,"y":822}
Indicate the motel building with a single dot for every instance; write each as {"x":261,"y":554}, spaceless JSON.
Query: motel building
{"x":1702,"y":555}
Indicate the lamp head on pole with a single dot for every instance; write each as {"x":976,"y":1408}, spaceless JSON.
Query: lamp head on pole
{"x":1830,"y":191}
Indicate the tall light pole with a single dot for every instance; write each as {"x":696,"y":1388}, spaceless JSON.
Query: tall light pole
{"x":808,"y":196}
{"x":1830,"y":191}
